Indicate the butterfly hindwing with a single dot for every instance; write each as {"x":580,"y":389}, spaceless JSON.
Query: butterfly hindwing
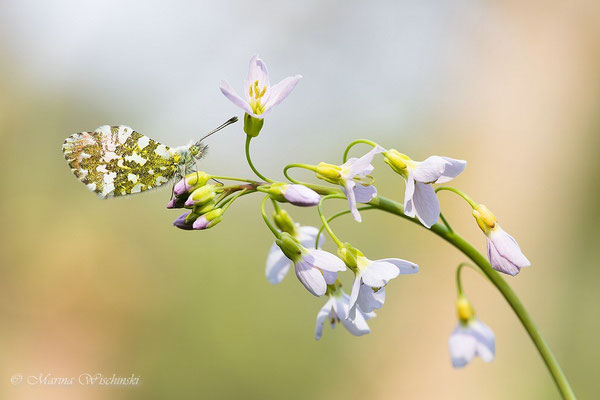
{"x":117,"y":161}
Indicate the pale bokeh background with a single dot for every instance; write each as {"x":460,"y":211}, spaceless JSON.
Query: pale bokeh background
{"x":109,"y":286}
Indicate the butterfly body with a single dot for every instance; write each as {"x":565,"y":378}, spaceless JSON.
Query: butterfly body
{"x":117,"y":161}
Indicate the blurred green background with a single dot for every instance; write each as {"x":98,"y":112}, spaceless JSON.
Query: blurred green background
{"x":92,"y":286}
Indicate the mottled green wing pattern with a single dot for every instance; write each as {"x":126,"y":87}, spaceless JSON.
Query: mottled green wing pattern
{"x":117,"y":161}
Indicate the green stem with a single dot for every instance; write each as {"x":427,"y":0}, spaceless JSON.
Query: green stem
{"x":261,"y":176}
{"x":232,"y":178}
{"x":365,"y":141}
{"x":229,"y":201}
{"x":469,"y":200}
{"x":509,"y":295}
{"x":445,"y":221}
{"x":337,"y":241}
{"x":264,"y":215}
{"x":289,"y":166}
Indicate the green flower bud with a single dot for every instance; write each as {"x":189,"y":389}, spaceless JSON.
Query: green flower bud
{"x":201,"y":195}
{"x":397,"y":161}
{"x":252,"y":126}
{"x":329,"y":172}
{"x":190,"y":182}
{"x":201,"y":209}
{"x":289,"y":246}
{"x":350,"y":255}
{"x":284,"y":222}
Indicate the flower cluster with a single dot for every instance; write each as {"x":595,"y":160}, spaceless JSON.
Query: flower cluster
{"x":301,"y":246}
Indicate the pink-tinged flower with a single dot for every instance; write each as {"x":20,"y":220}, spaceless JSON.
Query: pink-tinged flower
{"x":336,"y":310}
{"x":314,"y":268}
{"x":368,"y":290}
{"x":470,"y":339}
{"x":260,"y":96}
{"x":301,"y":196}
{"x":278,"y":264}
{"x":504,"y":253}
{"x":419,"y":196}
{"x":354,"y":178}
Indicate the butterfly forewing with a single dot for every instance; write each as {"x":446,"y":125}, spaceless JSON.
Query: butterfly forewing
{"x":117,"y":161}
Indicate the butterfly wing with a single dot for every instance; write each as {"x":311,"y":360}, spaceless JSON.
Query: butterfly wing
{"x":117,"y":161}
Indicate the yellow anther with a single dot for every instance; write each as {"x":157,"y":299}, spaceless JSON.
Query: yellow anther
{"x":485,"y":219}
{"x":263,"y":91}
{"x":464,"y":309}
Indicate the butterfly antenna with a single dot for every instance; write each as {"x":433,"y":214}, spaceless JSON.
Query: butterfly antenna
{"x":218,"y":128}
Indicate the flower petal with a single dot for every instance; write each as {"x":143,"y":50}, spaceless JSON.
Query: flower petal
{"x":307,"y":236}
{"x":369,"y":300}
{"x":354,"y":297}
{"x":358,"y":326}
{"x":508,"y":247}
{"x":231,"y":94}
{"x":325,"y":261}
{"x":364,"y":194}
{"x":301,"y":196}
{"x":430,"y":170}
{"x":409,"y":209}
{"x":361,"y":166}
{"x":311,"y":278}
{"x":330,"y":277}
{"x":462,"y":346}
{"x":427,"y":206}
{"x":452,"y":169}
{"x":278,"y":265}
{"x":405,"y":267}
{"x":257,"y":71}
{"x":321,"y":317}
{"x":379,"y":273}
{"x":280,"y":91}
{"x":486,"y":346}
{"x":349,"y":191}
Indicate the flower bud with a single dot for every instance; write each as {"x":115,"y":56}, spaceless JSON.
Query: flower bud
{"x":396,"y":160}
{"x":201,"y":196}
{"x":284,"y":222}
{"x":191,"y":182}
{"x":201,"y":209}
{"x":289,"y":246}
{"x":485,"y":219}
{"x":176,"y":202}
{"x":350,"y":255}
{"x":252,"y":126}
{"x":298,"y":195}
{"x":185,"y":221}
{"x":209,"y":219}
{"x":329,"y":172}
{"x":464,"y":309}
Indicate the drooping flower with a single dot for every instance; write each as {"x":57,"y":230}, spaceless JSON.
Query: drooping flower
{"x":371,"y":277}
{"x":278,"y":264}
{"x":470,"y":338}
{"x":354,"y":178}
{"x":419,"y":197}
{"x":315,"y":269}
{"x":261,"y":97}
{"x":504,"y":253}
{"x":336,"y":311}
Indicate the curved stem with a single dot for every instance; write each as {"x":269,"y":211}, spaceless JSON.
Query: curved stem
{"x":233,"y":178}
{"x":469,"y":200}
{"x":337,"y":241}
{"x":509,"y":295}
{"x":365,"y":141}
{"x":289,"y":166}
{"x":264,"y":215}
{"x":445,"y":221}
{"x":261,"y":176}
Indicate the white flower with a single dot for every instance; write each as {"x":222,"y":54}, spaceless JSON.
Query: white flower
{"x":278,"y":264}
{"x":261,"y":97}
{"x":504,"y":253}
{"x":470,"y":339}
{"x":354,"y":178}
{"x":368,"y":291}
{"x":336,"y":310}
{"x":314,"y":268}
{"x":419,"y":197}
